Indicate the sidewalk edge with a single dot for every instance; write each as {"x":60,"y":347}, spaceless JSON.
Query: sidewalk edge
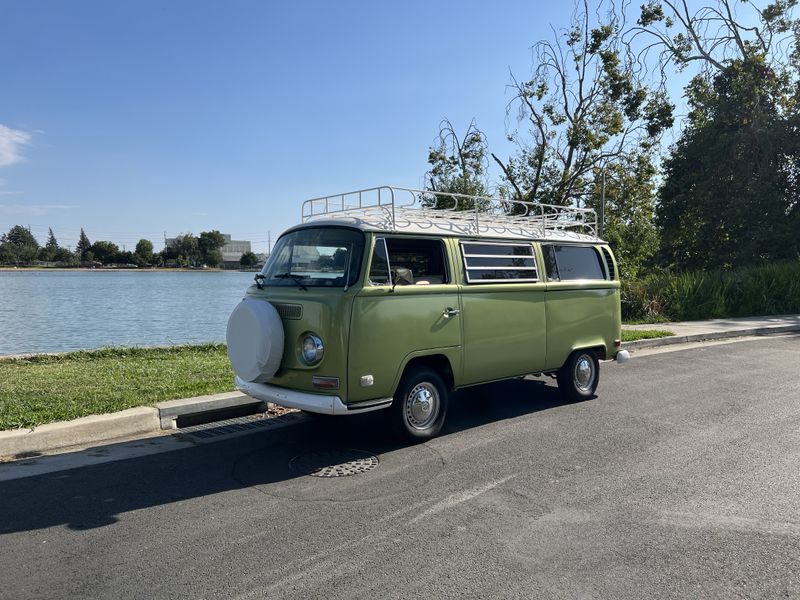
{"x":85,"y":430}
{"x":712,"y":335}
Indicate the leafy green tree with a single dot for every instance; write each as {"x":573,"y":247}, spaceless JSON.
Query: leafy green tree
{"x":83,"y":246}
{"x":630,"y":195}
{"x":213,"y":258}
{"x":19,"y":246}
{"x":143,"y":255}
{"x":208,"y":245}
{"x":730,"y":190}
{"x":105,"y":252}
{"x":730,"y":194}
{"x":249,"y":259}
{"x":48,"y":252}
{"x":186,"y":250}
{"x":458,"y":166}
{"x":63,"y":255}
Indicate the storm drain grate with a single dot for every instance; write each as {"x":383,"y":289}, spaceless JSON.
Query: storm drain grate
{"x":237,"y":425}
{"x":334,"y":463}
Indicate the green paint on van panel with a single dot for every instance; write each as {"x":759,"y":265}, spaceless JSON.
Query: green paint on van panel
{"x":388,"y":325}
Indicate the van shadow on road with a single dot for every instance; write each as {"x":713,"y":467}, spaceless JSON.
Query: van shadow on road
{"x":94,"y":496}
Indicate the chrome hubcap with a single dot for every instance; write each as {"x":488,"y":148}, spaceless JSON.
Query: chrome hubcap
{"x":422,"y":405}
{"x":584,"y":373}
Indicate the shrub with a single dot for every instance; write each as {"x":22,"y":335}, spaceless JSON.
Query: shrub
{"x":750,"y":291}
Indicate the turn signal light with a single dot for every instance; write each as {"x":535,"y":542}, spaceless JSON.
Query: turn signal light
{"x":325,"y":383}
{"x":617,"y":343}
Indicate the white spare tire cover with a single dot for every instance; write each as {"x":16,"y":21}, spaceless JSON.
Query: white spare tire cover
{"x":255,"y":340}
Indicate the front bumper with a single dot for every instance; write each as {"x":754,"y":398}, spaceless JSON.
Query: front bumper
{"x":316,"y":403}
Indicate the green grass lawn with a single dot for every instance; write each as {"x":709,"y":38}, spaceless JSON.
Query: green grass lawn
{"x":631,"y":335}
{"x":42,"y":389}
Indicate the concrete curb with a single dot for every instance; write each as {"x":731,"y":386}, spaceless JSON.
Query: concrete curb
{"x":86,"y":430}
{"x":168,"y":412}
{"x":99,"y":429}
{"x":713,"y":335}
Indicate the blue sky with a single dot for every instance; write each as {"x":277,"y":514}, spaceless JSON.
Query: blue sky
{"x":130,"y":119}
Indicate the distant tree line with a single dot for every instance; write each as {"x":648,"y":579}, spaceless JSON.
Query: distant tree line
{"x":19,"y":246}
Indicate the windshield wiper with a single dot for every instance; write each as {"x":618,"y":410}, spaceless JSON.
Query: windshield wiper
{"x":297,"y":279}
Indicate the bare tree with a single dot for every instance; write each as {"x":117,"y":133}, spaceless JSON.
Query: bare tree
{"x":582,"y":107}
{"x":458,"y":165}
{"x":713,"y":35}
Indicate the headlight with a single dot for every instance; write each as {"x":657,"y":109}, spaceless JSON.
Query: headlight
{"x":312,"y":349}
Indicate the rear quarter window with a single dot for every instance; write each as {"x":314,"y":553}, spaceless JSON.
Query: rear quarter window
{"x":567,"y":263}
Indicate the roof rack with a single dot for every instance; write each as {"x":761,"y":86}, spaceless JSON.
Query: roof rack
{"x":396,"y":209}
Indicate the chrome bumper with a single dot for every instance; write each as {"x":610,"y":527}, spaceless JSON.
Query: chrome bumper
{"x":316,"y":403}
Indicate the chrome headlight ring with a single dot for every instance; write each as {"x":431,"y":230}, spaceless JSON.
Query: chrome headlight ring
{"x":311,"y":349}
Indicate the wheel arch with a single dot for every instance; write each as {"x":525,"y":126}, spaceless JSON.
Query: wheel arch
{"x":439,"y":361}
{"x":598,"y":347}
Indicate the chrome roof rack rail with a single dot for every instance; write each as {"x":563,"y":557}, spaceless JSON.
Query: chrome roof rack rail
{"x":396,"y":209}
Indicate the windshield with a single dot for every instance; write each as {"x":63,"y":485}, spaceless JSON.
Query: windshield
{"x":315,"y":257}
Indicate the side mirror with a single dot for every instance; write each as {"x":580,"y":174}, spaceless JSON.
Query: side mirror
{"x":403,"y":276}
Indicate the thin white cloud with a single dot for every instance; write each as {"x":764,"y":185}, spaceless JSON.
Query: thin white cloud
{"x":11,"y":143}
{"x":32,"y":210}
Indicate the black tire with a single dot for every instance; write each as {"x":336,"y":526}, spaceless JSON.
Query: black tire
{"x":408,"y":417}
{"x":578,"y":378}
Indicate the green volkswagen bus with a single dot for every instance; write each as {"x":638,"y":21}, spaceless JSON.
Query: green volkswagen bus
{"x":391,"y":298}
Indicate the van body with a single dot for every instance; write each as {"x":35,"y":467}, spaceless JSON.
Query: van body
{"x":362,"y":309}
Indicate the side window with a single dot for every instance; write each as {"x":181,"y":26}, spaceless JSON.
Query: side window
{"x":573,"y":262}
{"x":497,"y":263}
{"x":422,"y":259}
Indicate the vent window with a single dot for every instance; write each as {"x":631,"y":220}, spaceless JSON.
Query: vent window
{"x":499,"y":263}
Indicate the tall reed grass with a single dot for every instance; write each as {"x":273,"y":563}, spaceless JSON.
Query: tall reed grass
{"x":750,"y":291}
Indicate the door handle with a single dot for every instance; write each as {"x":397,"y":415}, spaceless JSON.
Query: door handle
{"x":450,"y":312}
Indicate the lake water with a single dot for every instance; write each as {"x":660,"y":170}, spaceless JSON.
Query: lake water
{"x":54,"y":311}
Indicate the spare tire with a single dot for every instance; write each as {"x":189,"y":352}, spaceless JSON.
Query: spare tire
{"x":255,"y":340}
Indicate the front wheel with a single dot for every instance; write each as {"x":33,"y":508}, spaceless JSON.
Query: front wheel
{"x":579,"y":376}
{"x":420,"y":405}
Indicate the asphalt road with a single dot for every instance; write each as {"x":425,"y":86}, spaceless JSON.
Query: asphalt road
{"x":680,"y":480}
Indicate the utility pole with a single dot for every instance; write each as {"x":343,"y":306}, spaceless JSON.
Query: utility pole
{"x":602,"y":223}
{"x":269,"y":243}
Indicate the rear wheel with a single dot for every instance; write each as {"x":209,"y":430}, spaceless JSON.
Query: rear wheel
{"x":420,"y":405}
{"x":579,"y":376}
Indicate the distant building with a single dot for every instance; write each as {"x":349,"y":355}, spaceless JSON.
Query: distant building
{"x":232,"y":250}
